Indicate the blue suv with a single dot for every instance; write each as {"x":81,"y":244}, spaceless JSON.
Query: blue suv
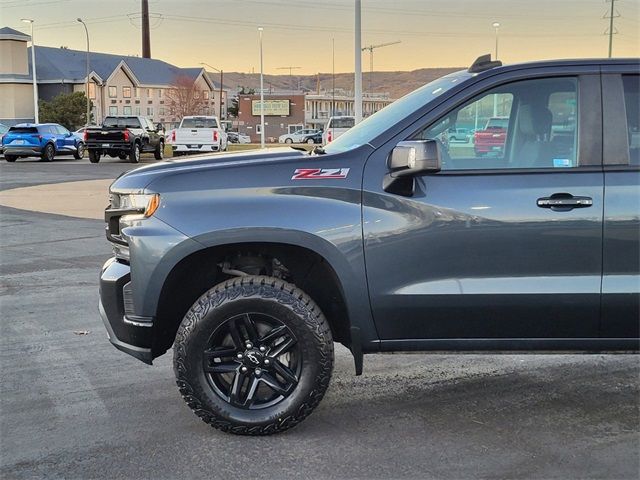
{"x":44,"y":140}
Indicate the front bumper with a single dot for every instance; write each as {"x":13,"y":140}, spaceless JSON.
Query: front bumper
{"x":132,"y":335}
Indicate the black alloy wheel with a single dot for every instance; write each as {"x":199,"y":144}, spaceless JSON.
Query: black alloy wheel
{"x":252,"y":361}
{"x":253,"y":356}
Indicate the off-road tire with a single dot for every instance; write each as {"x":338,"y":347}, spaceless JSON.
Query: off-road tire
{"x":134,"y":154}
{"x":10,"y":158}
{"x":49,"y":153}
{"x":296,"y":310}
{"x":94,"y":156}
{"x":159,"y":151}
{"x":79,"y":153}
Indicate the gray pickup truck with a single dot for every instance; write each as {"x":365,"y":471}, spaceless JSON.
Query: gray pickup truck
{"x":389,"y":239}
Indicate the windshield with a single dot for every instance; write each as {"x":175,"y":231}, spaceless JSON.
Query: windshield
{"x":386,"y":118}
{"x":498,"y":123}
{"x":199,"y":122}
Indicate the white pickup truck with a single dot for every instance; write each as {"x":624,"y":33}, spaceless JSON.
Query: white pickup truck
{"x":198,"y":134}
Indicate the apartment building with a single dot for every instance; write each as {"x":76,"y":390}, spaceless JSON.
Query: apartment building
{"x":118,"y":85}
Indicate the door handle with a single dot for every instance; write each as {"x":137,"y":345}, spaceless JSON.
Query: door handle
{"x":563,"y":202}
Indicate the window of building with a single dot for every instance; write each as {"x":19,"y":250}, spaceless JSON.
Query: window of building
{"x":150,"y":93}
{"x":160,"y":93}
{"x":526,"y":124}
{"x":137,"y":111}
{"x":631,"y":85}
{"x":205,"y":95}
{"x":92,"y":89}
{"x":137,"y":92}
{"x":150,"y":111}
{"x":126,"y":110}
{"x":161,"y":111}
{"x":113,"y":92}
{"x":259,"y":128}
{"x":113,"y":110}
{"x":126,"y":92}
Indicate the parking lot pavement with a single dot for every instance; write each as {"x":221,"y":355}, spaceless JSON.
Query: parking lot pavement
{"x":72,"y":406}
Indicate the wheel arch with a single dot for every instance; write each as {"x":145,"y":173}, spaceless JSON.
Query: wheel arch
{"x":315,"y":272}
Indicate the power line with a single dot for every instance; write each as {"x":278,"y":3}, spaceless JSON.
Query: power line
{"x":611,"y":30}
{"x":290,"y":68}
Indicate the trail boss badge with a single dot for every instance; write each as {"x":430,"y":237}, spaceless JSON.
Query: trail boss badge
{"x":319,"y":173}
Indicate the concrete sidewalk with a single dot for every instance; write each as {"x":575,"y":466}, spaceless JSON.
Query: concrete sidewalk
{"x":83,"y":199}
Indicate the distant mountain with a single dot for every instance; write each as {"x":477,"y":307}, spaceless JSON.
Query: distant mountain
{"x":396,"y":84}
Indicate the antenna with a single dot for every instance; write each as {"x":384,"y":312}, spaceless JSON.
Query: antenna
{"x":371,"y":48}
{"x":290,"y":68}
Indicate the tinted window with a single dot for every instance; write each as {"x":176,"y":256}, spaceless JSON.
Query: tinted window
{"x":122,"y":122}
{"x":342,"y":123}
{"x":631,"y":84}
{"x":528,"y":124}
{"x":199,"y":122}
{"x":23,"y":130}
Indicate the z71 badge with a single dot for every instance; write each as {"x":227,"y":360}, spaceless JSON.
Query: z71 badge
{"x":319,"y":173}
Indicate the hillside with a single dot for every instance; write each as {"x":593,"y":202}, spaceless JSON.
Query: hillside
{"x":396,"y":84}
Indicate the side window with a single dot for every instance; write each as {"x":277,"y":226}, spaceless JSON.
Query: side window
{"x":526,"y":124}
{"x":631,"y":85}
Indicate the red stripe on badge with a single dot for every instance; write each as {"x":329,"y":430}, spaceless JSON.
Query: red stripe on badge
{"x":319,"y":173}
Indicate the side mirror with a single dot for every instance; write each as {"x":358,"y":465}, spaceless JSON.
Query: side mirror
{"x":159,"y":127}
{"x":409,"y":159}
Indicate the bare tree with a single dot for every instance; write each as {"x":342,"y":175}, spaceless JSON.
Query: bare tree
{"x":184,"y":98}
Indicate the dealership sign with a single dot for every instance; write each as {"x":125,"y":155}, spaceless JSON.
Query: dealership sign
{"x":271,"y":107}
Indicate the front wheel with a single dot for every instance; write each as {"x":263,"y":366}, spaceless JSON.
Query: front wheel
{"x":79,"y":153}
{"x":288,"y":140}
{"x":253,"y":356}
{"x":134,"y":154}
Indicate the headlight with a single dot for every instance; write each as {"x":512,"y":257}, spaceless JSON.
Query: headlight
{"x":146,"y":204}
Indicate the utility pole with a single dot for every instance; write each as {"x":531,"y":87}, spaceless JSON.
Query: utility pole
{"x":371,"y":48}
{"x":290,"y":68}
{"x":146,"y":42}
{"x":36,"y":115}
{"x":87,"y":65}
{"x":333,"y":77}
{"x":357,"y":81}
{"x":612,"y":14}
{"x":260,"y":30}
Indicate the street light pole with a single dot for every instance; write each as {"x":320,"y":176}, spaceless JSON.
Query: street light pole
{"x":36,"y":116}
{"x":358,"y":64}
{"x":88,"y":121}
{"x":221,"y":78}
{"x":260,"y":29}
{"x":496,"y":25}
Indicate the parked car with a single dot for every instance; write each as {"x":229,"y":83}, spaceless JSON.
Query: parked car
{"x":492,"y":138}
{"x":3,"y":129}
{"x":297,"y":136}
{"x":313,"y":138}
{"x":236,"y":137}
{"x":124,"y":137}
{"x":459,"y":134}
{"x":44,"y":140}
{"x":336,"y":126}
{"x":198,"y":134}
{"x":251,"y":266}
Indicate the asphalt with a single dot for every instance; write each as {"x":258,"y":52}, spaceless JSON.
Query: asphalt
{"x":72,"y":406}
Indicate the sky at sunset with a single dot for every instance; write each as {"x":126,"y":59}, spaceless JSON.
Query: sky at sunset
{"x":299,"y":33}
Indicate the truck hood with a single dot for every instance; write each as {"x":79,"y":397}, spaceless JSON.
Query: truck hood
{"x":135,"y":181}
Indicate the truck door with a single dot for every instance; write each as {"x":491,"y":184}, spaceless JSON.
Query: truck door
{"x":504,"y":244}
{"x":621,"y":249}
